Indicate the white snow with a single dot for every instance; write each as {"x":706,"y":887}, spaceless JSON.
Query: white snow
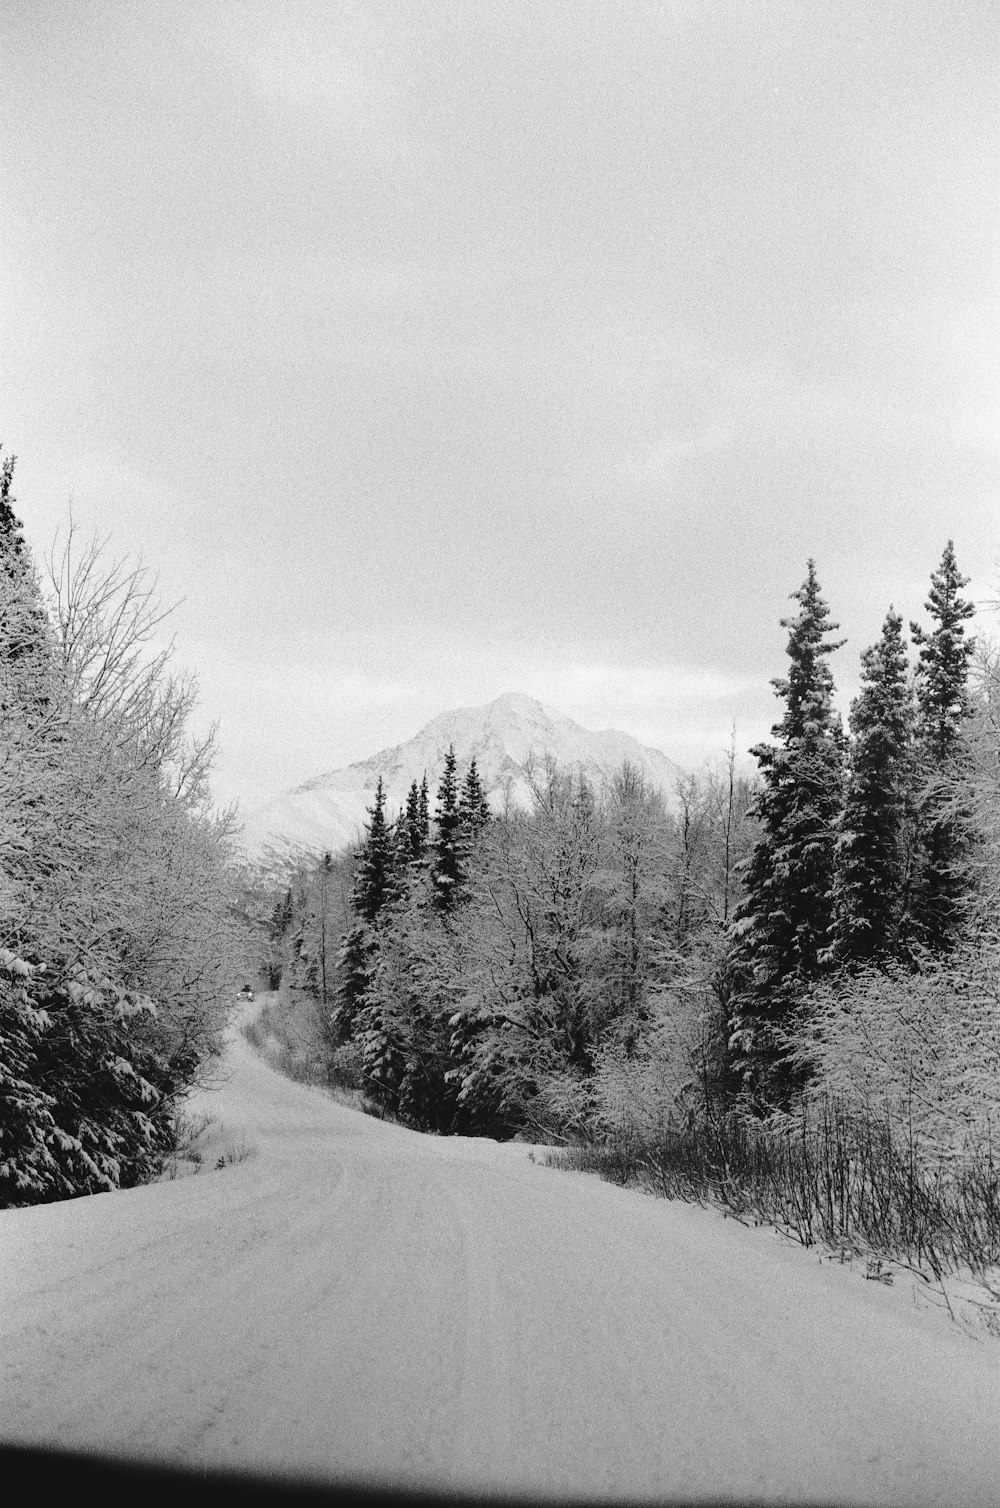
{"x":330,"y":810}
{"x":361,"y":1303}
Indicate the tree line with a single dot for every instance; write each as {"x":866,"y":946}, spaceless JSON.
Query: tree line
{"x":606,"y":957}
{"x":120,"y":911}
{"x":866,"y":841}
{"x":489,"y":963}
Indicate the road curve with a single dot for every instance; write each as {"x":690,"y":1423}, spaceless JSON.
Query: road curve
{"x":362,"y":1304}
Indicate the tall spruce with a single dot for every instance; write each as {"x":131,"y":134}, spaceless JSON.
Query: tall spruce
{"x":473,"y":806}
{"x":945,"y":657}
{"x":782,"y":929}
{"x":872,"y":850}
{"x":447,"y":846}
{"x":424,"y":812}
{"x":26,"y":639}
{"x":411,"y":828}
{"x":372,"y":890}
{"x":943,"y":706}
{"x":373,"y":862}
{"x":11,"y":537}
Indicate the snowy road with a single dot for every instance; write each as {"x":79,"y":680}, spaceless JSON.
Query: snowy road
{"x":362,"y":1303}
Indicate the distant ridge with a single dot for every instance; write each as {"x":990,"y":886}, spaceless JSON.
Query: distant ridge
{"x":330,"y":810}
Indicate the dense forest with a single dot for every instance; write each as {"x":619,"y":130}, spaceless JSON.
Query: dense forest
{"x":121,"y":923}
{"x":795,"y":969}
{"x":484,"y":972}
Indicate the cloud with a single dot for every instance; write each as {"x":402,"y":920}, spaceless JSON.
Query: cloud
{"x":323,"y":65}
{"x":663,"y":457}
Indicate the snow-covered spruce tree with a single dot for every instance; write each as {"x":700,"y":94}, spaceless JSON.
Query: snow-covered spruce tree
{"x":410,"y":836}
{"x":781,"y":930}
{"x":10,"y":525}
{"x":382,"y":1005}
{"x":27,"y":648}
{"x":873,"y":848}
{"x":448,"y":842}
{"x":413,"y":827}
{"x":944,"y":829}
{"x":420,"y":971}
{"x":473,"y":806}
{"x":406,"y":1028}
{"x":373,"y":862}
{"x":424,"y":813}
{"x":919,"y":1049}
{"x":374,"y":865}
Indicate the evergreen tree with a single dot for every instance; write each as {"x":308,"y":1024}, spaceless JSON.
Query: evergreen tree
{"x":411,"y":822}
{"x":11,"y":537}
{"x":355,"y":966}
{"x":414,"y":824}
{"x":872,"y":852}
{"x":373,"y":862}
{"x":404,"y":1031}
{"x":943,"y":705}
{"x":781,"y":929}
{"x":447,"y":869}
{"x":945,"y":657}
{"x":372,"y":891}
{"x":474,"y":808}
{"x":27,"y":645}
{"x":424,"y":813}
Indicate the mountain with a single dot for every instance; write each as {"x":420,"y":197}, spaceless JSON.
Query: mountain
{"x":330,"y":810}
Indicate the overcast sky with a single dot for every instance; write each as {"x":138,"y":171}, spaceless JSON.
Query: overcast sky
{"x":435,"y":350}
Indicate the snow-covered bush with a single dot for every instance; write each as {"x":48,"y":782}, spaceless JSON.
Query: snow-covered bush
{"x":919,"y":1050}
{"x":648,"y":1080}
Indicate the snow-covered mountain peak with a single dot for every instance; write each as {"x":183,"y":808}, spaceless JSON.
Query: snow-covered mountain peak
{"x":504,"y":736}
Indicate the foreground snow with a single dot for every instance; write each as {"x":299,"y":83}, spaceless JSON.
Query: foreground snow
{"x":359,"y":1302}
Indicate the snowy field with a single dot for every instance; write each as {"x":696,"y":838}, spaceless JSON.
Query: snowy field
{"x":359,"y":1303}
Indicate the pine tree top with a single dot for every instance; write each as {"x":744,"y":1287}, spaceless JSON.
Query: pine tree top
{"x":945,"y":657}
{"x":447,"y":792}
{"x":944,"y":604}
{"x":376,"y":812}
{"x":808,"y":688}
{"x":884,"y":698}
{"x":374,"y":861}
{"x":411,"y":831}
{"x":473,"y":804}
{"x":448,"y":845}
{"x":11,"y":528}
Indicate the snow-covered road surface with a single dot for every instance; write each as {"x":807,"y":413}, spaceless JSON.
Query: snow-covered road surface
{"x":364,"y":1304}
